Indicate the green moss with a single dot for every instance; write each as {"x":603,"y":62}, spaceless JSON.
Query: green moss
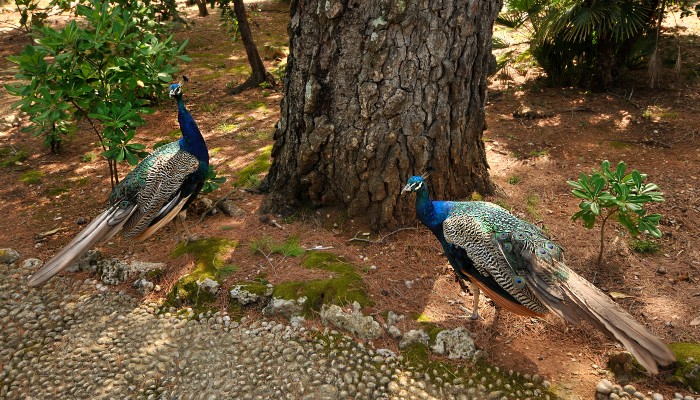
{"x":618,"y":145}
{"x":161,"y":143}
{"x":31,"y":177}
{"x":248,"y":175}
{"x":10,"y":156}
{"x":226,"y":271}
{"x":345,"y":287}
{"x":432,"y":330}
{"x":57,"y":191}
{"x":209,"y":264}
{"x":416,"y":353}
{"x":532,"y":202}
{"x":288,"y":248}
{"x":255,"y":105}
{"x":83,"y":180}
{"x":243,"y":70}
{"x":88,"y":157}
{"x":254,"y":287}
{"x":539,"y":153}
{"x":645,"y":246}
{"x":477,"y":197}
{"x":175,"y":134}
{"x":688,"y":372}
{"x":514,"y":180}
{"x":422,"y":318}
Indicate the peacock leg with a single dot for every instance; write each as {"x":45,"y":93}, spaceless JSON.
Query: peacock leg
{"x":475,"y":292}
{"x":475,"y":307}
{"x":181,"y":216}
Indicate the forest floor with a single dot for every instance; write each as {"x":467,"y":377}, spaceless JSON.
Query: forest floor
{"x":653,"y":131}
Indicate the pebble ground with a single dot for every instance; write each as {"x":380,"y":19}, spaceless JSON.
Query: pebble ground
{"x":77,"y":340}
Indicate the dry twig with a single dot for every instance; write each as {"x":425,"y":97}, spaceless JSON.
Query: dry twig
{"x":356,"y":238}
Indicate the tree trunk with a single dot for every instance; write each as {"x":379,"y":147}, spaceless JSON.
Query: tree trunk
{"x":259,"y":74}
{"x":377,"y":91}
{"x":202,"y":6}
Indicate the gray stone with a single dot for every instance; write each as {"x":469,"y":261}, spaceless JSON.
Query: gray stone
{"x":286,"y":308}
{"x":392,"y":318}
{"x":353,"y":321}
{"x":231,"y":209}
{"x":455,"y":343}
{"x":629,"y":389}
{"x":32,"y":263}
{"x":657,"y":396}
{"x":209,"y":285}
{"x":604,"y":386}
{"x":143,"y":286}
{"x":394,"y":332}
{"x":8,"y":256}
{"x":245,"y":297}
{"x":414,"y":336}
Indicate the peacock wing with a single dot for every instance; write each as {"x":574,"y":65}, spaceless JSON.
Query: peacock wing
{"x":467,"y":230}
{"x":156,"y":186}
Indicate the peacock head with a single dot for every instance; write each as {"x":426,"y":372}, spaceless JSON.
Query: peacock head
{"x":414,"y":184}
{"x":175,"y":90}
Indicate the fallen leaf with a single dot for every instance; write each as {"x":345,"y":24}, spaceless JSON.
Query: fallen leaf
{"x":695,"y":322}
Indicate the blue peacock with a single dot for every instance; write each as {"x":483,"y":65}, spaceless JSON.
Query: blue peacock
{"x":516,"y":265}
{"x":160,"y":188}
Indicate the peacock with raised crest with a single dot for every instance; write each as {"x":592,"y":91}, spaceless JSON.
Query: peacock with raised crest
{"x":151,"y":195}
{"x":516,"y":265}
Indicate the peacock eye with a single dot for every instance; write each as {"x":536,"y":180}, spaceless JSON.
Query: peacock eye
{"x":508,"y":247}
{"x":124,"y":204}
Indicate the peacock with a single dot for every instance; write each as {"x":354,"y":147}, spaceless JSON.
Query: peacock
{"x":517,"y":265}
{"x":160,"y":187}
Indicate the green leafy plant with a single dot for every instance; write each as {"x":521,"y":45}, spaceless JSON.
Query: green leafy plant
{"x":108,"y":70}
{"x":212,"y":181}
{"x":620,"y":195}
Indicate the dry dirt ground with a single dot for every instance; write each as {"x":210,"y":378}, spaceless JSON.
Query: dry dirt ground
{"x":654,"y":131}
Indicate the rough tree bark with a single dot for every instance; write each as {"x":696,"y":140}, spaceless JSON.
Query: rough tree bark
{"x":202,"y":7}
{"x":259,"y":74}
{"x":377,"y":91}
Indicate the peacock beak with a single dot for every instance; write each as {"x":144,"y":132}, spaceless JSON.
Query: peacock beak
{"x":406,"y":188}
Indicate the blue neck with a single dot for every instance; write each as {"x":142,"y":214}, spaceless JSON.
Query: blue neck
{"x":192,"y":140}
{"x":431,"y":213}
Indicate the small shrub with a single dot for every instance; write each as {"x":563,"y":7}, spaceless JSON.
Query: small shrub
{"x":616,"y":194}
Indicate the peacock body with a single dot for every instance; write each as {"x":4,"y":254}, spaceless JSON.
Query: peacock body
{"x":517,"y":265}
{"x":160,"y":187}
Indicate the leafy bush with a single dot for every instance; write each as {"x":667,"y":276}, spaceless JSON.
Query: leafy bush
{"x":616,"y":194}
{"x":107,"y":70}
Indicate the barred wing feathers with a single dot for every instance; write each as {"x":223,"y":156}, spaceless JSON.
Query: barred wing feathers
{"x":530,"y":268}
